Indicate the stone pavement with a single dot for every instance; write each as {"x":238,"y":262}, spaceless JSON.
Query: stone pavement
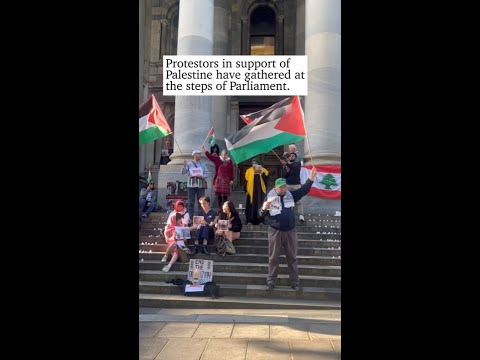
{"x":246,"y":334}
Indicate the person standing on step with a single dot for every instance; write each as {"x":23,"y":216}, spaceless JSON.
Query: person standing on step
{"x":171,"y":239}
{"x":278,"y":211}
{"x":292,"y":176}
{"x":205,"y":230}
{"x":257,"y":178}
{"x":197,"y":176}
{"x":223,"y":178}
{"x":292,"y":148}
{"x":147,"y":201}
{"x":166,"y":152}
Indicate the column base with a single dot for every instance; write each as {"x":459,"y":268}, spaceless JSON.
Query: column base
{"x":322,"y":159}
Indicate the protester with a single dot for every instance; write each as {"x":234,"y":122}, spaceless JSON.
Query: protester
{"x":278,"y":211}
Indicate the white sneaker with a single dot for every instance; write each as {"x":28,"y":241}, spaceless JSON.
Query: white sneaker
{"x":164,"y":259}
{"x":166,"y":268}
{"x":302,"y":219}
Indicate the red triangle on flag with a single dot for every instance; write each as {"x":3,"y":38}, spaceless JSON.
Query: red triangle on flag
{"x":156,"y":116}
{"x":246,"y":119}
{"x":292,"y":119}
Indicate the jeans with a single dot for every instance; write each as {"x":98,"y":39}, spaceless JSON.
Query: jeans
{"x":142,"y":204}
{"x":205,"y":232}
{"x":191,"y":199}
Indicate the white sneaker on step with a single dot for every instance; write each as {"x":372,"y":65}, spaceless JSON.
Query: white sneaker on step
{"x":302,"y":219}
{"x":166,"y":268}
{"x":164,"y":259}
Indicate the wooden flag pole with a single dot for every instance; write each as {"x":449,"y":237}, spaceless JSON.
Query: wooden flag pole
{"x":306,"y":134}
{"x":177,"y":145}
{"x":276,"y":155}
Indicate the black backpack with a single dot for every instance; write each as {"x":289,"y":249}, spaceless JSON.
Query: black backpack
{"x":210,"y":288}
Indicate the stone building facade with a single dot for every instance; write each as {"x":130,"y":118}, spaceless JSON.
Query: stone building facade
{"x":241,"y":27}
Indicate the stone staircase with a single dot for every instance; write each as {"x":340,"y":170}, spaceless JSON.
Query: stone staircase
{"x":242,"y":277}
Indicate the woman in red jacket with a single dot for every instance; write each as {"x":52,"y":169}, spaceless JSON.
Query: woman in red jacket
{"x":223,"y":179}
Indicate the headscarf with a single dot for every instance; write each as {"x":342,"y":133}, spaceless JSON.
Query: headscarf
{"x":172,"y":221}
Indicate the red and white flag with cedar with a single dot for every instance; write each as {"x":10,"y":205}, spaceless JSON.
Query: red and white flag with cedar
{"x":327,"y":183}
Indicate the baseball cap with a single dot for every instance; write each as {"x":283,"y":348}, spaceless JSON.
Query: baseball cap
{"x":280,"y":182}
{"x":196,"y":152}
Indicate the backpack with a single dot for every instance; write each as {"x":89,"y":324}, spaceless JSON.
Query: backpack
{"x":210,"y":289}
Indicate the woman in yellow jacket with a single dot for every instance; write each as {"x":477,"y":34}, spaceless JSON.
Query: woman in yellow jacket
{"x":257,"y":179}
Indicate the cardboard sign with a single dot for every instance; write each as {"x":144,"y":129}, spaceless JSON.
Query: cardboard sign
{"x":194,"y":288}
{"x":182,"y":232}
{"x":205,"y":270}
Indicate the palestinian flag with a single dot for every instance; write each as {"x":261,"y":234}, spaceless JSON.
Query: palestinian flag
{"x":280,"y":124}
{"x":327,"y":183}
{"x":152,"y":122}
{"x":211,"y":137}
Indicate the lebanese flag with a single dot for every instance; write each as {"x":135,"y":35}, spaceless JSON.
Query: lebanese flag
{"x":152,"y":124}
{"x":327,"y":183}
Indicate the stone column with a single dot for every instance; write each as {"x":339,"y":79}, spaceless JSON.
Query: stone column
{"x":193,"y":114}
{"x":279,"y":42}
{"x":300,"y":50}
{"x":163,"y":38}
{"x":232,"y":125}
{"x":141,"y":48}
{"x":322,"y":105}
{"x":141,"y":57}
{"x":245,"y":35}
{"x":220,"y":47}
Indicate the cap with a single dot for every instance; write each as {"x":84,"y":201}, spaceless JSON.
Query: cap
{"x":280,"y":182}
{"x":196,"y":152}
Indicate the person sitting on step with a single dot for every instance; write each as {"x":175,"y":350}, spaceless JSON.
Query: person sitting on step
{"x":147,"y":201}
{"x":234,"y":222}
{"x":205,"y":230}
{"x":179,"y":213}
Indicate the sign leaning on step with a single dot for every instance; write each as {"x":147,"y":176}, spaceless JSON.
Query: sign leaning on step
{"x":204,"y":268}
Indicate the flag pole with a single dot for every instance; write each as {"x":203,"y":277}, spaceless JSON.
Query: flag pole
{"x":207,"y":136}
{"x":306,"y":134}
{"x":276,"y":155}
{"x":174,"y":139}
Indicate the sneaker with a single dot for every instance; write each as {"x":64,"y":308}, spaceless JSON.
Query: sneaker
{"x":144,"y":215}
{"x":270,"y":286}
{"x":296,"y":287}
{"x":166,"y":268}
{"x":302,"y":219}
{"x":164,"y":259}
